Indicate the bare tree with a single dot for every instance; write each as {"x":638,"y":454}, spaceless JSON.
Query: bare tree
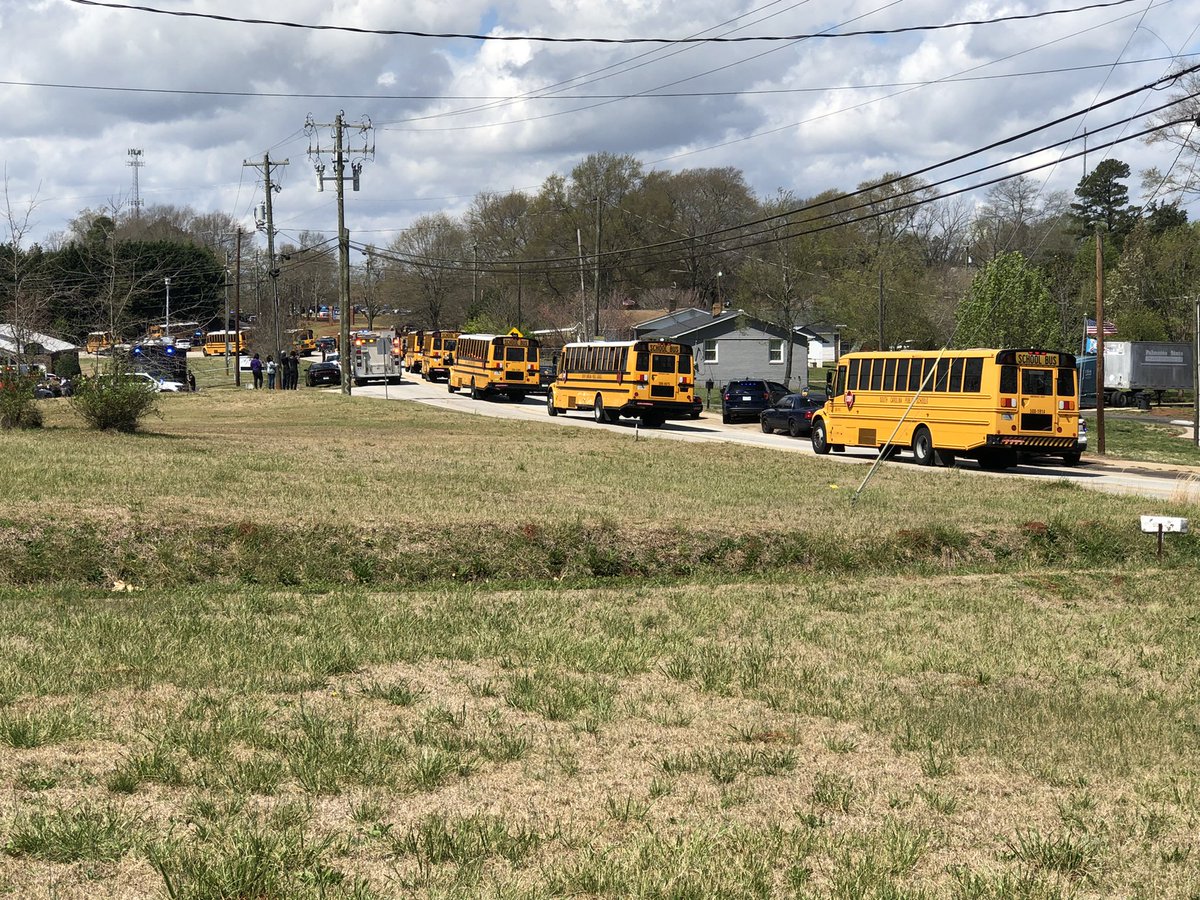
{"x":429,"y":254}
{"x":27,"y":300}
{"x":1183,"y":179}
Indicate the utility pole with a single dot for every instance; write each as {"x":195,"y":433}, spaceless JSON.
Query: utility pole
{"x":474,"y":278}
{"x":267,"y":223}
{"x":518,"y":295}
{"x":339,"y":179}
{"x":226,"y":328}
{"x":237,"y":312}
{"x":596,"y":324}
{"x":582,"y":289}
{"x":881,"y":347}
{"x":1099,"y":343}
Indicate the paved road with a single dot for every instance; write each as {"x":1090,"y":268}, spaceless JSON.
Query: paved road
{"x":1145,"y":479}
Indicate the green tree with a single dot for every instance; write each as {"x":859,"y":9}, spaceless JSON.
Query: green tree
{"x":1009,"y":305}
{"x":1104,"y":200}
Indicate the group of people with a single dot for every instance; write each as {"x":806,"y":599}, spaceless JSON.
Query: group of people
{"x":287,"y":370}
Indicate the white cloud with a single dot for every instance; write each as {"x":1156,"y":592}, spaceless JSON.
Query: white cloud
{"x":68,"y":144}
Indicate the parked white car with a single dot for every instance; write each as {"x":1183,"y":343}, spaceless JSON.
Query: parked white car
{"x":151,"y":383}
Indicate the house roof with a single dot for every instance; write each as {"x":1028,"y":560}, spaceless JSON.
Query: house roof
{"x":695,"y":327}
{"x":9,"y":342}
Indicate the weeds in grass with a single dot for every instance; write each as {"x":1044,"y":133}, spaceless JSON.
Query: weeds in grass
{"x":839,"y":744}
{"x":834,"y":792}
{"x":398,"y":693}
{"x":259,"y":773}
{"x":36,"y":778}
{"x":431,"y":768}
{"x":71,"y":834}
{"x":724,"y":766}
{"x":323,"y":753}
{"x":560,"y":696}
{"x":270,"y":860}
{"x":1023,"y":885}
{"x":626,"y":809}
{"x":1066,"y":852}
{"x":438,"y":839}
{"x":25,"y":730}
{"x":946,"y":804}
{"x":937,"y":762}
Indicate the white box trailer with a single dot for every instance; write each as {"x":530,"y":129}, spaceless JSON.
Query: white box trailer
{"x":1135,"y":370}
{"x":375,"y":358}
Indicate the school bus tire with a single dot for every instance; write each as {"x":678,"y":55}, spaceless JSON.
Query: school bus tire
{"x":450,"y":386}
{"x":550,"y":407}
{"x":922,"y":446}
{"x":819,"y":438}
{"x":475,"y":392}
{"x":599,"y":413}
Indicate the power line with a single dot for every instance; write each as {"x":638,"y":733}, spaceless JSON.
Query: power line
{"x":553,"y":264}
{"x":659,"y":95}
{"x":394,"y":32}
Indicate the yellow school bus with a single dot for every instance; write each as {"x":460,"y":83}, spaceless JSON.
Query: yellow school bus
{"x":410,"y":349}
{"x":437,"y":350}
{"x":215,"y":342}
{"x":302,"y":340}
{"x":98,"y":342}
{"x":651,"y":380}
{"x":986,"y":405}
{"x":180,"y":332}
{"x":487,"y":364}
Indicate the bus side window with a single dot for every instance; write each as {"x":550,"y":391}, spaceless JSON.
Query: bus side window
{"x":943,"y":375}
{"x":956,"y":370}
{"x":1008,"y":379}
{"x":973,"y":376}
{"x":914,"y":376}
{"x":643,"y":361}
{"x":889,"y":375}
{"x":852,"y":383}
{"x":901,"y":374}
{"x":877,"y":374}
{"x":839,"y":386}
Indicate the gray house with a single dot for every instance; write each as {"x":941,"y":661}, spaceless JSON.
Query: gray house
{"x":730,"y":344}
{"x":23,"y":345}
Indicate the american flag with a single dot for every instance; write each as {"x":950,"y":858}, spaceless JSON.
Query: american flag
{"x":1109,"y":327}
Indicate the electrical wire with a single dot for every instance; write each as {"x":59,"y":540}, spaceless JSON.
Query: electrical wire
{"x":392,"y":32}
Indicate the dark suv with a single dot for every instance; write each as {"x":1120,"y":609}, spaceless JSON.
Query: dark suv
{"x":748,"y":397}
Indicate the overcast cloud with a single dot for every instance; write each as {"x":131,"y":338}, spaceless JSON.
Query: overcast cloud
{"x":806,"y":116}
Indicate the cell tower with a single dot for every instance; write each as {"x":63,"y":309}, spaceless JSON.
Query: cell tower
{"x":135,"y":162}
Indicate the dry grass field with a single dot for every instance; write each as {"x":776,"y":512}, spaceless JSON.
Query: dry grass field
{"x":292,"y":646}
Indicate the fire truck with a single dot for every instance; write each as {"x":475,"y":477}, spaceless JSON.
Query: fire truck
{"x":376,"y":358}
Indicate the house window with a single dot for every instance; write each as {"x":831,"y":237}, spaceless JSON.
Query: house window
{"x":774,"y":351}
{"x":710,"y":351}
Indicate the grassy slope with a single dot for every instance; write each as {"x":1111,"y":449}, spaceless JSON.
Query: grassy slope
{"x":983,"y":699}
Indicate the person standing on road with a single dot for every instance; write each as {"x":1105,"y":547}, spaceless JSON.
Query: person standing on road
{"x":256,"y":370}
{"x":270,"y":372}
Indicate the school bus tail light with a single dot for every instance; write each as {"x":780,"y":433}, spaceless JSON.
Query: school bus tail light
{"x":1008,"y":402}
{"x":1066,"y":405}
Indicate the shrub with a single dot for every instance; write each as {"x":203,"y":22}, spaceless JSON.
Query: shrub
{"x":18,"y":409}
{"x":114,"y":401}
